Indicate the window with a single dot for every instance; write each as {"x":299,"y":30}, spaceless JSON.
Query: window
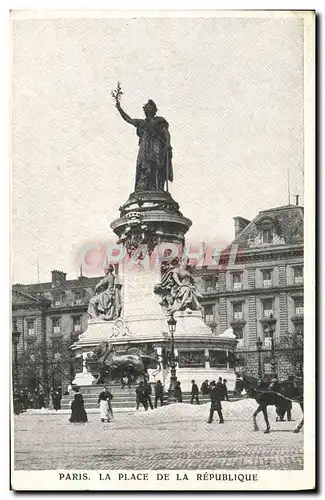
{"x":299,"y":328}
{"x":298,"y":275}
{"x":56,"y":346}
{"x":267,"y":277}
{"x":237,"y":281}
{"x":209,"y":314}
{"x":76,"y":323}
{"x":267,"y":235}
{"x":78,"y":297}
{"x":267,"y":307}
{"x":267,"y":363}
{"x":266,"y":335}
{"x":238,"y":310}
{"x":57,"y":300}
{"x":239,"y":332}
{"x":30,"y":327}
{"x":299,"y":306}
{"x":56,"y":325}
{"x":209,"y":285}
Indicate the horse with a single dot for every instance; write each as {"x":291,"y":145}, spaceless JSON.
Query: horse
{"x":266,"y":397}
{"x":108,"y":360}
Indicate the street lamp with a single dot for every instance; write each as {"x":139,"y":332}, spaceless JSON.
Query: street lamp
{"x":271,"y":323}
{"x":259,"y":348}
{"x":173,"y":379}
{"x":15,"y":340}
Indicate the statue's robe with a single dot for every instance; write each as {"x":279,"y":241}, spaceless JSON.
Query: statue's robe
{"x":154,"y":162}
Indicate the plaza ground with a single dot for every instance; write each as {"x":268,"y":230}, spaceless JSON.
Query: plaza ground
{"x":172,"y":437}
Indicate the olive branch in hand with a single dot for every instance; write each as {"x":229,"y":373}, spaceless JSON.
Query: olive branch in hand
{"x":117,"y":93}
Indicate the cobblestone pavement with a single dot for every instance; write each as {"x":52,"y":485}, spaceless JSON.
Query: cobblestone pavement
{"x":172,"y":437}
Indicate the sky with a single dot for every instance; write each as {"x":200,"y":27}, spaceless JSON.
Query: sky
{"x":230,"y":88}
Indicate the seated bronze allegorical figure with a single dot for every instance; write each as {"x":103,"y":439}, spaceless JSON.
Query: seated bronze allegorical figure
{"x":106,"y":304}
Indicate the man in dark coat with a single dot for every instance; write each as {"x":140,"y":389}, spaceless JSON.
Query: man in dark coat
{"x":159,"y":393}
{"x":288,"y":390}
{"x":194,"y":392}
{"x":41,"y":399}
{"x":216,"y":396}
{"x":147,"y":394}
{"x":205,"y":388}
{"x":225,"y":390}
{"x":56,"y":400}
{"x":178,"y":393}
{"x":140,"y":396}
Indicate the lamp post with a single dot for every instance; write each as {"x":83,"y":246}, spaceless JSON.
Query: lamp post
{"x":15,"y":340}
{"x":259,"y":348}
{"x":173,"y":379}
{"x":272,"y":322}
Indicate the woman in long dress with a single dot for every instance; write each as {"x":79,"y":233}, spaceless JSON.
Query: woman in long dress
{"x":104,"y":401}
{"x":78,"y":412}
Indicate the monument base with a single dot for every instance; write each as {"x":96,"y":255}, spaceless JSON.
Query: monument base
{"x":83,"y":379}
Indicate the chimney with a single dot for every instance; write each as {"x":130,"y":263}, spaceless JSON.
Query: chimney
{"x":240,"y":224}
{"x":297,"y":200}
{"x":58,"y":278}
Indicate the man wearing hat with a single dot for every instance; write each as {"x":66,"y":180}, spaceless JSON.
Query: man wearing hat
{"x":216,"y":396}
{"x":194,"y":392}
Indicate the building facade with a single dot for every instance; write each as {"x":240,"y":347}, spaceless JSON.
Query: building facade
{"x":266,"y":278}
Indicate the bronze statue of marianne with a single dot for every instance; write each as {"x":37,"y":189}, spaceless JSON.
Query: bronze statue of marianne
{"x":154,"y":163}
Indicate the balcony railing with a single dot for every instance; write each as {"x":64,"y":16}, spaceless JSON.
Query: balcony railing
{"x":267,"y":283}
{"x":238,"y":315}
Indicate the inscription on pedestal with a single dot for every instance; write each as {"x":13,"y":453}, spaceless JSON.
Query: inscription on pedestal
{"x":139,"y":298}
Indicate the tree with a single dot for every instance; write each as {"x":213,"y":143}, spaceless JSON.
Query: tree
{"x":46,"y":366}
{"x":291,"y":347}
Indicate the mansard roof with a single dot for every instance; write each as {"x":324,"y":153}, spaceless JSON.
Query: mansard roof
{"x":34,"y":288}
{"x":20,"y":297}
{"x":287,"y":223}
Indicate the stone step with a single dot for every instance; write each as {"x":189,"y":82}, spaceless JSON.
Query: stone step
{"x":129,"y":401}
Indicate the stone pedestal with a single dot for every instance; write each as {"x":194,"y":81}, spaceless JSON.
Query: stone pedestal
{"x":150,"y":222}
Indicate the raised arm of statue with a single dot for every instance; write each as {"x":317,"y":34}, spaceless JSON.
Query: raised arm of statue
{"x":125,"y":116}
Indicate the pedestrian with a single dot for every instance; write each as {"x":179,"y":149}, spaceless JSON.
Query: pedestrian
{"x":78,"y":412}
{"x":17,"y":403}
{"x":140,"y":397}
{"x":159,"y":393}
{"x":225,"y":390}
{"x":288,"y":390}
{"x":205,"y":388}
{"x":178,"y":393}
{"x":274,"y":385}
{"x":124,"y":381}
{"x":41,"y":399}
{"x":104,"y":401}
{"x":216,"y":396}
{"x":56,"y":400}
{"x":147,"y":394}
{"x":194,"y":392}
{"x":31,"y":400}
